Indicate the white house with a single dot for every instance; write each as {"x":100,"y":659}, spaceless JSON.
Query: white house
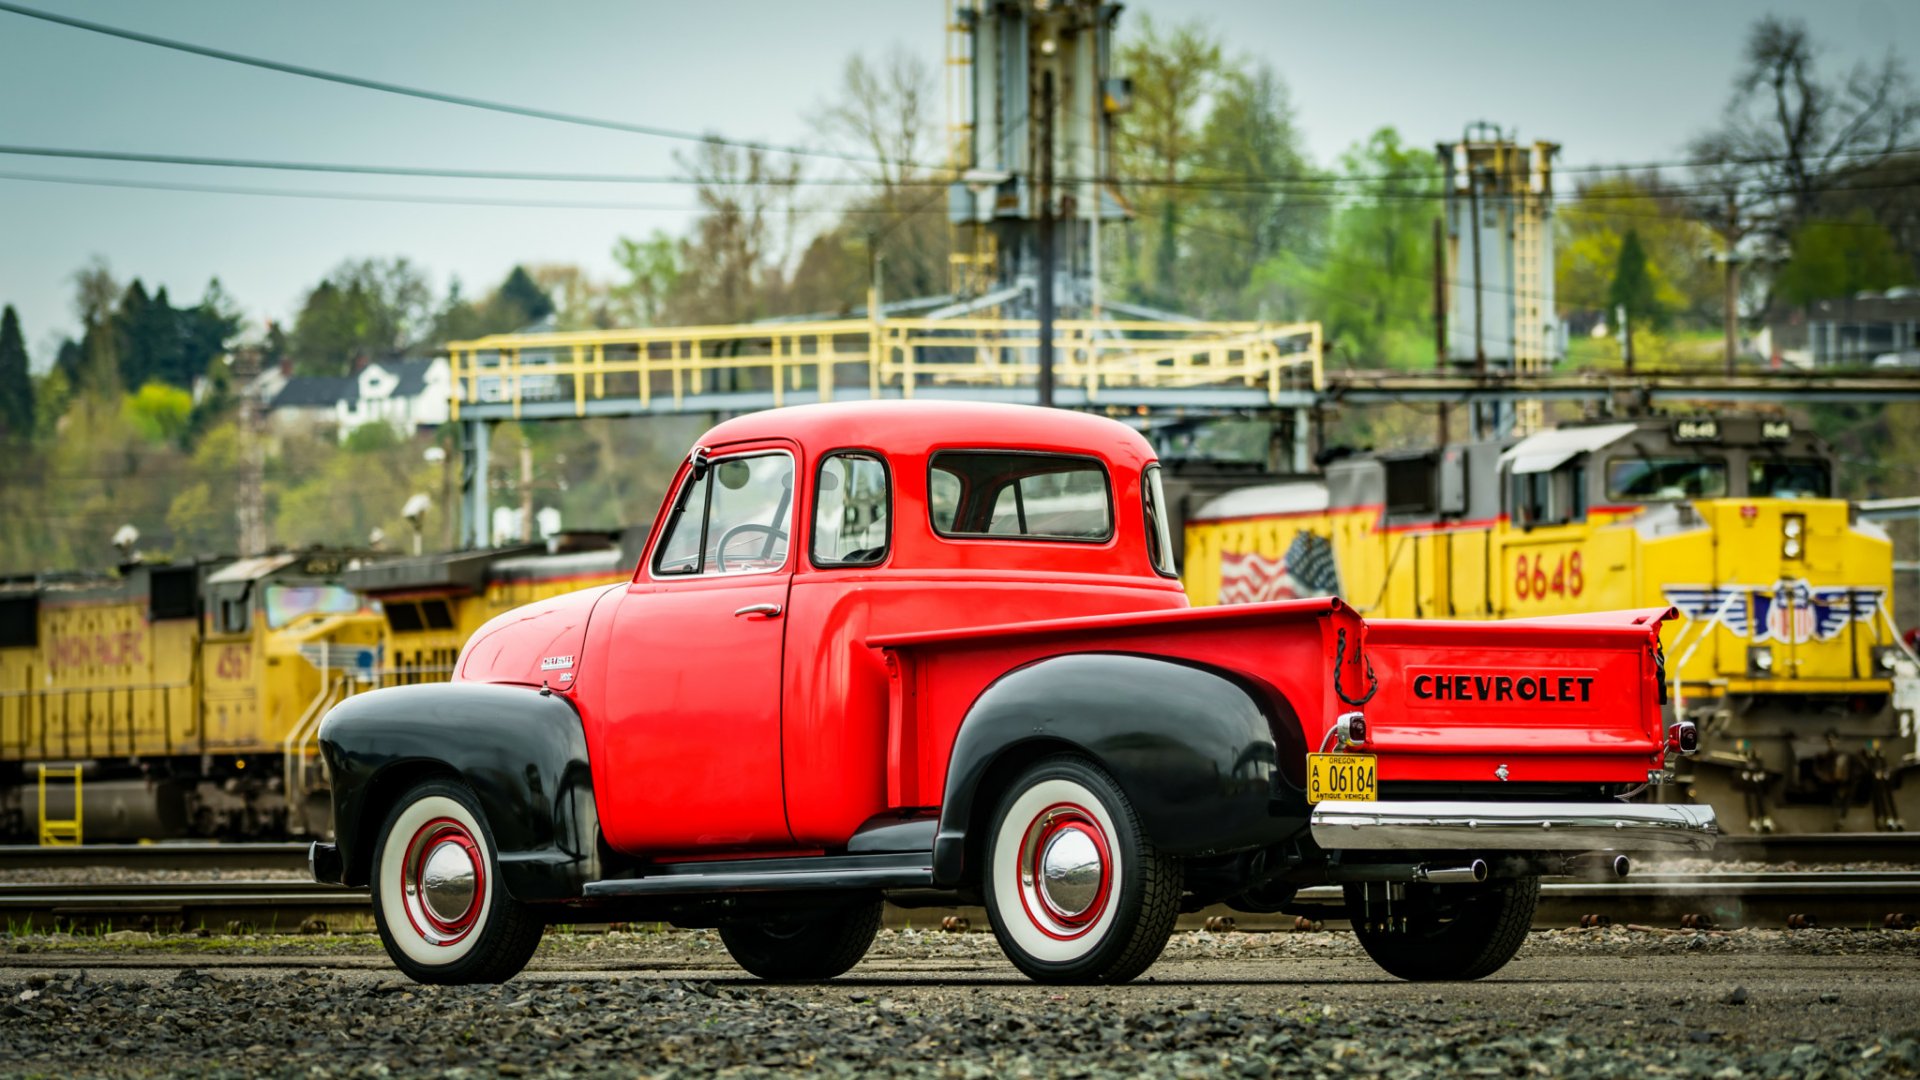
{"x":406,"y":394}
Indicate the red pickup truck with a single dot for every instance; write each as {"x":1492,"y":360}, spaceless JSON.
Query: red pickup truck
{"x":937,"y":654}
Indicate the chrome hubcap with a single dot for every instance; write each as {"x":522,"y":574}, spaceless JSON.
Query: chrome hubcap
{"x":1065,"y":872}
{"x":448,"y":882}
{"x":443,"y":881}
{"x":1070,"y":871}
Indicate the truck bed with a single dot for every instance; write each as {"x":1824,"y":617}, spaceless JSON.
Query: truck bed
{"x":1564,"y":699}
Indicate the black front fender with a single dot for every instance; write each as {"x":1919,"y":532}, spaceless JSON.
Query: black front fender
{"x":1193,"y":748}
{"x":522,"y":752}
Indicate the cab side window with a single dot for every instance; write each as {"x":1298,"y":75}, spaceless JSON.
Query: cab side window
{"x":733,"y":517}
{"x":852,"y":513}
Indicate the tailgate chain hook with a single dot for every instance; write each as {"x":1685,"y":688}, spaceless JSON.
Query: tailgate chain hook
{"x":1339,"y":662}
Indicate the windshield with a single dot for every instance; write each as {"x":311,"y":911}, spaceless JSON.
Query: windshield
{"x":285,"y":603}
{"x":1644,"y":479}
{"x":1787,"y":479}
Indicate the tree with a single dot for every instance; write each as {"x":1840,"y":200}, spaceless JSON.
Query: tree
{"x":1593,"y":225}
{"x":883,"y":113}
{"x":16,"y":382}
{"x":1839,"y":258}
{"x":1371,"y":283}
{"x":373,"y":308}
{"x":1173,"y":73}
{"x":521,"y":301}
{"x":732,"y":264}
{"x":159,"y":412}
{"x":1789,"y":135}
{"x":653,"y":272}
{"x":1632,"y":288}
{"x":97,"y":367}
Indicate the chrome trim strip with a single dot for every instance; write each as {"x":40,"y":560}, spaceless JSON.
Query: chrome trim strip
{"x":1502,"y":826}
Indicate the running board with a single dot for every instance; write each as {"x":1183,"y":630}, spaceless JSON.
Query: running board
{"x":813,"y":873}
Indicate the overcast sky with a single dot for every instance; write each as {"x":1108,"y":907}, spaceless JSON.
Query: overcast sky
{"x":1628,"y":80}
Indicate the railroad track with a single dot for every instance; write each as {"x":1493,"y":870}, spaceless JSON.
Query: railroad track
{"x":1776,"y":900}
{"x":277,"y":855}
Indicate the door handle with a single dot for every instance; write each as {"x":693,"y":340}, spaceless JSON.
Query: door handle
{"x":771,"y":611}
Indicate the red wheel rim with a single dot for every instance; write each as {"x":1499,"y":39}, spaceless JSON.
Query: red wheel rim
{"x":1065,"y":873}
{"x":443,"y":881}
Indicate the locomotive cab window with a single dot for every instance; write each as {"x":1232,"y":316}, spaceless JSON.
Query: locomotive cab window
{"x":1650,"y":479}
{"x":1558,"y":497}
{"x":851,"y":511}
{"x":733,"y":516}
{"x":1788,"y":478}
{"x":1005,"y":495}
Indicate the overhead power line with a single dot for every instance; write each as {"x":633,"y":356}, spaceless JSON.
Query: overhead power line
{"x":424,"y":199}
{"x":462,"y":100}
{"x":217,"y":162}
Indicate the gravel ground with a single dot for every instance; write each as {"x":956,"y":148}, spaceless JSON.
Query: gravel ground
{"x":1824,"y":1003}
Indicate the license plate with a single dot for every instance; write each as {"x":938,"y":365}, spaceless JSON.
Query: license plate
{"x":1346,"y":777}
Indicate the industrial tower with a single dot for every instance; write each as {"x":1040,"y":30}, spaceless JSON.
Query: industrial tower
{"x":1499,"y":267}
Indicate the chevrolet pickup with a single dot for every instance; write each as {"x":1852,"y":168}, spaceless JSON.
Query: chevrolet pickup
{"x":937,"y":654}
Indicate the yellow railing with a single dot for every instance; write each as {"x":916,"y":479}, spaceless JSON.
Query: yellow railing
{"x":875,"y":358}
{"x":59,"y":832}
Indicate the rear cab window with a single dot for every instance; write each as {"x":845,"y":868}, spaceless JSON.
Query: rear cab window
{"x":1018,"y":495}
{"x":852,"y":510}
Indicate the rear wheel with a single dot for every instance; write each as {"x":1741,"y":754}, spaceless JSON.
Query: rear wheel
{"x":437,"y":897}
{"x":1075,"y":890}
{"x":1445,"y":933}
{"x":805,"y":947}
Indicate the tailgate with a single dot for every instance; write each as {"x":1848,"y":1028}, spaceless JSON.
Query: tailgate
{"x":1572,"y":697}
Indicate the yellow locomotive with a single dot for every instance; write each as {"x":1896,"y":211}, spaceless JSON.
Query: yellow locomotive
{"x":1785,"y":656}
{"x":183,"y":700}
{"x":166,"y":697}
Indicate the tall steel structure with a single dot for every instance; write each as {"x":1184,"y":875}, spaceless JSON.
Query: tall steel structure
{"x":1499,"y":266}
{"x":1031,"y":103}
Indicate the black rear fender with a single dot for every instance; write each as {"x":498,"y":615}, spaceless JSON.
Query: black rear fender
{"x":1194,"y":749}
{"x":522,"y":752}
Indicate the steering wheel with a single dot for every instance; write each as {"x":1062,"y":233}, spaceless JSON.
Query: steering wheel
{"x":772,"y":533}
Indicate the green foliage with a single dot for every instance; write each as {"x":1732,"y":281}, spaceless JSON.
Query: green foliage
{"x":369,"y":308}
{"x":1371,"y":286}
{"x":652,"y":267}
{"x":158,"y":412}
{"x":1593,"y":225}
{"x":1632,"y":287}
{"x":1839,"y":258}
{"x":520,"y":299}
{"x":16,"y":383}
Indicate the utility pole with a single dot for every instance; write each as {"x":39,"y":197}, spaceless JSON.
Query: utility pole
{"x":526,"y":490}
{"x":1440,"y":313}
{"x":1730,"y":256}
{"x":250,"y":500}
{"x":1046,"y":238}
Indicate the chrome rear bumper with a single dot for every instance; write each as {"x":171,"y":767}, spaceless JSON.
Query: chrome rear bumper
{"x":1498,"y":826}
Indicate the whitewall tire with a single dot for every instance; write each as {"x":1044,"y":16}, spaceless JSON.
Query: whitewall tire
{"x":1074,"y":888}
{"x":442,"y":911}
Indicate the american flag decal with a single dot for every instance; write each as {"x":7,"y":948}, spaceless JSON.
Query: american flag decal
{"x":1307,"y":569}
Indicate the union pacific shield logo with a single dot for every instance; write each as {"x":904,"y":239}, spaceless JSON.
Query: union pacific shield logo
{"x":1793,"y":612}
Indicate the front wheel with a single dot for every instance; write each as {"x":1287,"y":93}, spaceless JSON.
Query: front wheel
{"x":1453,"y":933}
{"x":437,"y":898}
{"x":805,"y":948}
{"x":1075,"y":890}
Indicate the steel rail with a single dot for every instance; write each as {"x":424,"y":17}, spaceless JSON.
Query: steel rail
{"x":1807,"y":848}
{"x":1861,"y":900}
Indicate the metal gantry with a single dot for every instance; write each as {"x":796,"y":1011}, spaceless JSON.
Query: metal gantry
{"x":1131,"y":366}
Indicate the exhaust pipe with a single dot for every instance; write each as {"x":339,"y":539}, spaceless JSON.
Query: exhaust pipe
{"x":1599,"y":866}
{"x":1470,"y":874}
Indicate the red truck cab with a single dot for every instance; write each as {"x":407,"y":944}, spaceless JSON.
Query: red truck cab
{"x":937,"y":653}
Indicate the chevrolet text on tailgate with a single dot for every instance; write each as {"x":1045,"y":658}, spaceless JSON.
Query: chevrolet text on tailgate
{"x":937,"y":654}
